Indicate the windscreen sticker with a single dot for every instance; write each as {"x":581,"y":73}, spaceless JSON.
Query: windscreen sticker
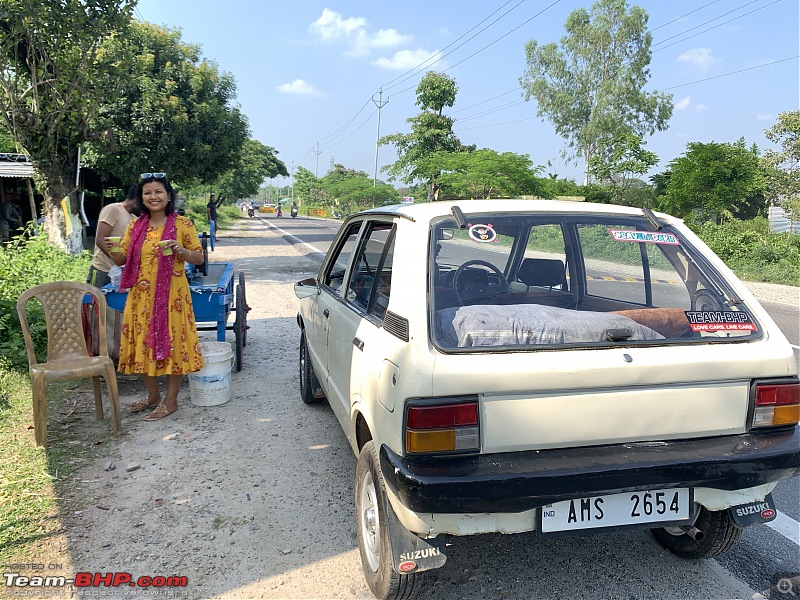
{"x":482,"y":233}
{"x":712,"y":320}
{"x":650,"y":237}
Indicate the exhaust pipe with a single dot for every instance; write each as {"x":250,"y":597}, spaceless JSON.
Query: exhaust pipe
{"x":693,"y":532}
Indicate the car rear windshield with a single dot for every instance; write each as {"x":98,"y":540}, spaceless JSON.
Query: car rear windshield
{"x":523,"y":280}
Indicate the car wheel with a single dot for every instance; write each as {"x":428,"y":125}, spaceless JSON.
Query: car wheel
{"x":720,"y":534}
{"x":373,"y":532}
{"x":308,"y":381}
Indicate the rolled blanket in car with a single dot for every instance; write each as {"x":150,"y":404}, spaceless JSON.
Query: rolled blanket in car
{"x":527,"y":324}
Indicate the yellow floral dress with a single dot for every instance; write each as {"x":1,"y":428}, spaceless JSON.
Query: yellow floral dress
{"x":135,"y":356}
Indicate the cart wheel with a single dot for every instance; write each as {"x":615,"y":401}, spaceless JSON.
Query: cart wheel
{"x":204,"y":243}
{"x":246,"y":307}
{"x":240,"y":326}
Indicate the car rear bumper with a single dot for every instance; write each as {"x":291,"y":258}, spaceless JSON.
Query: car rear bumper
{"x":518,"y":481}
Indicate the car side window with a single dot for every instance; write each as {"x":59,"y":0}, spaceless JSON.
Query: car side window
{"x":370,"y":273}
{"x":334,"y":275}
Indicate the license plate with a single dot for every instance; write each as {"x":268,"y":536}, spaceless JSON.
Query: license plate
{"x":617,"y":510}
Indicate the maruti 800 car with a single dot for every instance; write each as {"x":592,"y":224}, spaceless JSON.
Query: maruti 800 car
{"x":558,"y":367}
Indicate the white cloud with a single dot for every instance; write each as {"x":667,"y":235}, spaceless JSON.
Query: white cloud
{"x":701,"y":107}
{"x":361,"y":43}
{"x":681,"y":104}
{"x":353,"y":32}
{"x":763,"y":117}
{"x":331,"y":27}
{"x":298,"y":86}
{"x":405,"y":59}
{"x":699,"y":57}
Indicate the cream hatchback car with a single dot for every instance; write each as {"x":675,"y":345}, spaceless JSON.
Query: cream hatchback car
{"x":514,"y":365}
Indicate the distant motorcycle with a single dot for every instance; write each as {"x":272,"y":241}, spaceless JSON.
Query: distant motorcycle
{"x":294,"y":212}
{"x":250,"y":212}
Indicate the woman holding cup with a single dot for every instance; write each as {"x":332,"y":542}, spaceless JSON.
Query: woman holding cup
{"x":159,"y":336}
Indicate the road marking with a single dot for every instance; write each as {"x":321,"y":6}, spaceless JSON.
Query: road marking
{"x":795,"y":347}
{"x":309,"y":246}
{"x":787,"y":527}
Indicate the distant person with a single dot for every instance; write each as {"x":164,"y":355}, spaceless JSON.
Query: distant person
{"x":211,"y":213}
{"x":9,"y":215}
{"x":112,"y":222}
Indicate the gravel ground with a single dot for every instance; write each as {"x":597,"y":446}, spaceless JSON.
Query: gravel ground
{"x":254,"y":498}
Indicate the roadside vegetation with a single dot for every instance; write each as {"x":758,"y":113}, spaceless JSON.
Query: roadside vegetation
{"x":29,"y":476}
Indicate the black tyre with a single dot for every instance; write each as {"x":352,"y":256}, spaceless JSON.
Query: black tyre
{"x":244,"y":305}
{"x":373,"y":533}
{"x":239,"y":328}
{"x":308,"y":381}
{"x":720,"y":534}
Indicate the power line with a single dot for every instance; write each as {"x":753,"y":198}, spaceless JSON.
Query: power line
{"x":491,"y":111}
{"x":349,"y":135}
{"x":775,"y":62}
{"x":684,"y":15}
{"x":339,"y":131}
{"x":710,"y":28}
{"x":516,"y":89}
{"x":498,"y":124}
{"x":492,"y":43}
{"x":411,"y":73}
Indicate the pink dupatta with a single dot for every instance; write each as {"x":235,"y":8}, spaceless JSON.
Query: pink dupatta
{"x":158,"y":336}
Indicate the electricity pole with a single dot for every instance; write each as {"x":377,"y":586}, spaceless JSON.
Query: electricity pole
{"x":380,"y":103}
{"x":317,"y":150}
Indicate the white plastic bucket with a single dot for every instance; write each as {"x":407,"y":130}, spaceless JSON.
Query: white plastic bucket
{"x":211,"y":385}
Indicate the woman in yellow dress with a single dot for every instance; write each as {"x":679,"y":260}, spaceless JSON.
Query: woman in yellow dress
{"x":159,"y":336}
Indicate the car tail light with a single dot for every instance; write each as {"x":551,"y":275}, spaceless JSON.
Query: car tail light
{"x":451,"y":427}
{"x":777,"y":404}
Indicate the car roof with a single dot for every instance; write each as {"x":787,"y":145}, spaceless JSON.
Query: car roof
{"x":425,"y":211}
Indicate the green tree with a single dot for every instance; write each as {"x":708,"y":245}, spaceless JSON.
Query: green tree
{"x":782,"y":167}
{"x":354,"y":191}
{"x":622,"y":166}
{"x":305,"y":182}
{"x":431,"y":132}
{"x":171,"y":111}
{"x":256,"y":163}
{"x":715,"y":179}
{"x":50,"y":75}
{"x":592,"y":87}
{"x":486,"y":173}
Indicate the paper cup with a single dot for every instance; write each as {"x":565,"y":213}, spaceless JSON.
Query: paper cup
{"x":115,"y":240}
{"x":165,"y":250}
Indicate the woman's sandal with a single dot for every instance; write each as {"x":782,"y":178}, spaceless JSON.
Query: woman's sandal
{"x":159,"y":413}
{"x":143,"y":405}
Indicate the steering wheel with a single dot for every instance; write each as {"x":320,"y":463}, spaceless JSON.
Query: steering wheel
{"x":468,"y":291}
{"x":706,"y":300}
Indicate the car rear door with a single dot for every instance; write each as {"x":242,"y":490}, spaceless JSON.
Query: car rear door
{"x":353,"y":335}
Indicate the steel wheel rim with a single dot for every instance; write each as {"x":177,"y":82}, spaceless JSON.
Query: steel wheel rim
{"x":369,"y":522}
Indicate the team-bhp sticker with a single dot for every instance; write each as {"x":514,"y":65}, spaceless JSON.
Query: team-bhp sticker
{"x":482,"y":233}
{"x":649,"y":237}
{"x":713,"y":320}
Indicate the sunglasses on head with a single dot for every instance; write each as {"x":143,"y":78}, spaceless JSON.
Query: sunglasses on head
{"x":144,"y":176}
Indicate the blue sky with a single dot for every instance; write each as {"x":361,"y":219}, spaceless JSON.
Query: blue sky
{"x":307,"y":71}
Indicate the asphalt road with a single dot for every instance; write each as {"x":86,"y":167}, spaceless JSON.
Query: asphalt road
{"x":763,"y":553}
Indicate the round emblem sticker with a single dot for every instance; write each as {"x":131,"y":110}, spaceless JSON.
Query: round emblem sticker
{"x":482,"y":233}
{"x":407,"y":566}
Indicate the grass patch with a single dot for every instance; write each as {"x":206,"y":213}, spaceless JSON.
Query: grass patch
{"x":28,"y":503}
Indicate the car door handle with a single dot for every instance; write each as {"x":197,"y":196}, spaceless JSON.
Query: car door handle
{"x":358,"y":343}
{"x":327,"y":313}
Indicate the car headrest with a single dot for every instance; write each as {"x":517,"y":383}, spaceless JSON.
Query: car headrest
{"x":545,"y":272}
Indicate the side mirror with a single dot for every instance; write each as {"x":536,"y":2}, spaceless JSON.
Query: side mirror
{"x":306,"y":288}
